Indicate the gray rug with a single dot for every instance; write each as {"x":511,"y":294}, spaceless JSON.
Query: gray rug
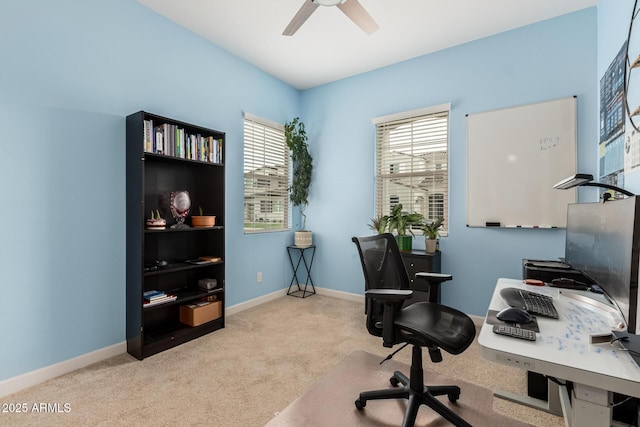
{"x":330,"y":401}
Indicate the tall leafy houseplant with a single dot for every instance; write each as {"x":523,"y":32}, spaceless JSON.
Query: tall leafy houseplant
{"x":296,"y":138}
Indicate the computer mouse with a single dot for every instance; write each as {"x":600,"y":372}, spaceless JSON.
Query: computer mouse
{"x":515,"y":315}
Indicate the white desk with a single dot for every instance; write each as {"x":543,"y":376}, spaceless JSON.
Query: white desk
{"x":563,"y":351}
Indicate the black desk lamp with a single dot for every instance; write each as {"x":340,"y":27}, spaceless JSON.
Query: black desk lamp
{"x":584,"y":180}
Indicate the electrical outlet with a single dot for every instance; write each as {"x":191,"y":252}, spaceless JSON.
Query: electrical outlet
{"x":259,"y":277}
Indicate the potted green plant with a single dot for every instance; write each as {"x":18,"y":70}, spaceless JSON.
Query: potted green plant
{"x":431,"y":230}
{"x":296,"y":138}
{"x":203,"y":220}
{"x":401,"y":222}
{"x":379,"y":224}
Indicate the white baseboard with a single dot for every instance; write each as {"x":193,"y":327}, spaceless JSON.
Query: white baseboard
{"x":283,"y":292}
{"x":340,"y":294}
{"x":254,"y":302}
{"x":29,"y":379}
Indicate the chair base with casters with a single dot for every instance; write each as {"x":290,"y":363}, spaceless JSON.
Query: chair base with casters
{"x":392,"y":316}
{"x":416,"y":393}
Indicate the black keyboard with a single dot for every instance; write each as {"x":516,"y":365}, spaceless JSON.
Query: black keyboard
{"x":533,"y":302}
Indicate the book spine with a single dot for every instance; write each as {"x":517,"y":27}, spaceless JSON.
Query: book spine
{"x":159,"y":141}
{"x":148,"y":139}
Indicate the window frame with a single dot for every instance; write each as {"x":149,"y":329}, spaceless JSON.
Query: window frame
{"x":278,"y":197}
{"x":429,"y":168}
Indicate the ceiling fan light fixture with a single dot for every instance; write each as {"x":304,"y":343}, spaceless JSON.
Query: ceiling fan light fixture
{"x":352,"y":8}
{"x":328,"y":2}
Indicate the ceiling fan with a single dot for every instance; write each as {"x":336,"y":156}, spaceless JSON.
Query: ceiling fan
{"x":352,"y":8}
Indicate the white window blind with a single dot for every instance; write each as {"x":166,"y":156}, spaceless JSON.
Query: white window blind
{"x":266,"y":176}
{"x":412,"y":163}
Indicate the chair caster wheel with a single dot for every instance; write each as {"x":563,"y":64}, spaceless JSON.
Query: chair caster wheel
{"x":453,"y":397}
{"x":360,"y":404}
{"x":394,"y":381}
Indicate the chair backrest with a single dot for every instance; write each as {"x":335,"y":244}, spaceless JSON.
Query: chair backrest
{"x":383,"y":268}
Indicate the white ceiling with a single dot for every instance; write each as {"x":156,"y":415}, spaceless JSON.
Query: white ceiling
{"x":329,"y":46}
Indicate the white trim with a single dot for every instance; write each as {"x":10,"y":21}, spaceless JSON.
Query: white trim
{"x":30,"y":379}
{"x":264,"y":122}
{"x":254,"y":302}
{"x":283,"y":292}
{"x":412,"y":113}
{"x":340,"y":294}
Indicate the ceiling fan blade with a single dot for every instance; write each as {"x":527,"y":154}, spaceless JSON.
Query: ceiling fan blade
{"x":354,"y":10}
{"x":308,"y":7}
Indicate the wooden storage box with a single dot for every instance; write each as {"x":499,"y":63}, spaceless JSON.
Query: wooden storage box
{"x":201,"y":312}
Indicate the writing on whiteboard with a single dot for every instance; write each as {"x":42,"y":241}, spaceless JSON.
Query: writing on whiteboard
{"x":548,"y":142}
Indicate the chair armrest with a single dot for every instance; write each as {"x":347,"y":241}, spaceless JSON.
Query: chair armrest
{"x":430,"y":282}
{"x":392,"y":300}
{"x":389,"y":295}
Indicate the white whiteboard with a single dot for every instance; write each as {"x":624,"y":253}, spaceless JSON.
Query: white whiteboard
{"x":514,"y":157}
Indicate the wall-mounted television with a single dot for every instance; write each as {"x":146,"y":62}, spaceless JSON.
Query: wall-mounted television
{"x":603,"y":242}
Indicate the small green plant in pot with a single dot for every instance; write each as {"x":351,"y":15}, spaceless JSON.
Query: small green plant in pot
{"x":431,"y":230}
{"x":379,"y":224}
{"x":401,"y":222}
{"x":203,"y":220}
{"x":296,"y":138}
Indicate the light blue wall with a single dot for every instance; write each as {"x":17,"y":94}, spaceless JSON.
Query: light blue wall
{"x":72,"y":70}
{"x":548,"y":60}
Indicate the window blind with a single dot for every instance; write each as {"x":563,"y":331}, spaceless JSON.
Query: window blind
{"x":266,"y":176}
{"x":412,"y":163}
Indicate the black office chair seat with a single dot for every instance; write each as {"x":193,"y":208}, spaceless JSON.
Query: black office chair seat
{"x":430,"y":324}
{"x":421,"y":324}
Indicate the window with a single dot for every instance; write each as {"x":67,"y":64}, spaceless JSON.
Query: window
{"x":266,"y":176}
{"x":412,"y":162}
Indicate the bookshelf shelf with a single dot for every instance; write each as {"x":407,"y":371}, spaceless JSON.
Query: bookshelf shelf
{"x":179,"y":267}
{"x":185,"y":230}
{"x":185,"y":295}
{"x":164,"y":156}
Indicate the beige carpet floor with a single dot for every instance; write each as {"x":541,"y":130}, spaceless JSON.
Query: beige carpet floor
{"x":264,"y":359}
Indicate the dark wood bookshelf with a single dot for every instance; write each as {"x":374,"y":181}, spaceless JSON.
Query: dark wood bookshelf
{"x":151,"y":177}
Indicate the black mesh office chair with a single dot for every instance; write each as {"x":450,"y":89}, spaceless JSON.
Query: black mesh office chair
{"x":422,"y":324}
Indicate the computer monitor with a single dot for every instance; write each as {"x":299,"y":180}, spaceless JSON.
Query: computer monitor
{"x":603,"y":242}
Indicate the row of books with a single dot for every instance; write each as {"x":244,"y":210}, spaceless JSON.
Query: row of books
{"x":171,"y":140}
{"x":152,"y":298}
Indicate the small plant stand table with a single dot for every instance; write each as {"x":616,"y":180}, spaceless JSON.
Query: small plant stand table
{"x":295,"y":281}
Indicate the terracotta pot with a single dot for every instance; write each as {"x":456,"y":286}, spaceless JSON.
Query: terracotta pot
{"x":203,"y":221}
